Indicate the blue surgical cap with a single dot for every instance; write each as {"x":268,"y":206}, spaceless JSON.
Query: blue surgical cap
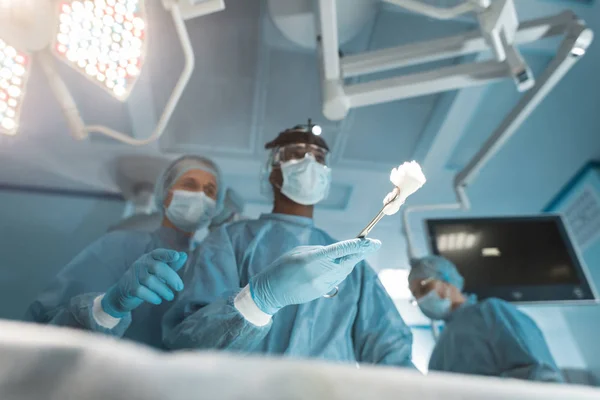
{"x":435,"y":267}
{"x":179,"y":167}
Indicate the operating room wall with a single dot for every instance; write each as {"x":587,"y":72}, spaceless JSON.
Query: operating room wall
{"x":39,"y":234}
{"x":585,"y":320}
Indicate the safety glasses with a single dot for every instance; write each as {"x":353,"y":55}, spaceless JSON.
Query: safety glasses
{"x":299,"y":151}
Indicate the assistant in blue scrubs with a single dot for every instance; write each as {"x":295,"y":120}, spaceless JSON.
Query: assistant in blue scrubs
{"x":189,"y":193}
{"x":489,"y":338}
{"x":219,"y":308}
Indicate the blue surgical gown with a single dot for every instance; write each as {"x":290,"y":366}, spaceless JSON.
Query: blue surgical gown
{"x":360,"y":324}
{"x":493,"y":338}
{"x":68,"y":300}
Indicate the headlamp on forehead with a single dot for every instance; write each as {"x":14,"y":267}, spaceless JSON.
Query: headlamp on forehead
{"x":310,"y":127}
{"x":308,"y":134}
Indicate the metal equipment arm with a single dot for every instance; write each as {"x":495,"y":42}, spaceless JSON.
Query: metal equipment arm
{"x":574,"y":45}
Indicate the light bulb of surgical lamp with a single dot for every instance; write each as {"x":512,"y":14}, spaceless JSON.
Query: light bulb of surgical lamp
{"x":103,"y":36}
{"x":316,"y":129}
{"x":9,"y":124}
{"x":14,"y":71}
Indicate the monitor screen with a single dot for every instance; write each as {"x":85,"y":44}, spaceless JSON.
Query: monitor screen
{"x":520,"y":259}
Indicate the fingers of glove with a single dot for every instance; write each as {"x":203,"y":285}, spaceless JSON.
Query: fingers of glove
{"x":164,"y":255}
{"x":165,"y":273}
{"x":305,"y":249}
{"x":303,"y":252}
{"x":147,"y":295}
{"x":351,"y":260}
{"x":179,"y":263}
{"x":159,"y":287}
{"x":350,"y":247}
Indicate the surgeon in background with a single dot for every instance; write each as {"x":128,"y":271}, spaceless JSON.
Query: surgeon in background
{"x":118,"y":285}
{"x":490,"y":337}
{"x":277,"y":305}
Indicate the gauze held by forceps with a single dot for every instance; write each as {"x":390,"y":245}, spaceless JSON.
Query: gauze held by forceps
{"x":407,"y":179}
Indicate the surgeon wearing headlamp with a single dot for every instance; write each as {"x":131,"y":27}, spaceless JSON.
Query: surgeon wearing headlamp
{"x":259,"y":285}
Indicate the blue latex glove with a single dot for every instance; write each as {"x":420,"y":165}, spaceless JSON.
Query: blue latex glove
{"x":151,"y":278}
{"x":307,"y":272}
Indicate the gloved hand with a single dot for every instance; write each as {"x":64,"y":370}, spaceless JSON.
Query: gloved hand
{"x":307,"y":272}
{"x":151,"y":278}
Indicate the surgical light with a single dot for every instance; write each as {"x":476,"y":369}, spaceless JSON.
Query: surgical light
{"x":105,"y":40}
{"x":14,"y":72}
{"x":316,"y":129}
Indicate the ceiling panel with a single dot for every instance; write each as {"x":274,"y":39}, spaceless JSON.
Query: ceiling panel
{"x":225,"y":52}
{"x":500,"y":99}
{"x":214,"y":115}
{"x":293,"y":94}
{"x":216,"y":110}
{"x":387,"y":133}
{"x":394,"y":27}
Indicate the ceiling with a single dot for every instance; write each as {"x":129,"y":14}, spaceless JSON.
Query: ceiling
{"x":249,"y":83}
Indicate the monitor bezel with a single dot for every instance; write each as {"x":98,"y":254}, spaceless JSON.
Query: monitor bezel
{"x":572,"y":248}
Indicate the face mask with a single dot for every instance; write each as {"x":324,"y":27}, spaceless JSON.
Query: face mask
{"x":190,"y":211}
{"x":305,"y":181}
{"x":433,"y":306}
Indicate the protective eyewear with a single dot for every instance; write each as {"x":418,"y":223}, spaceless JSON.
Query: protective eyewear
{"x":298,"y":152}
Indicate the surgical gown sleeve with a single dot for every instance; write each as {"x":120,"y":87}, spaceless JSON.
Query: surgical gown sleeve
{"x":204,"y":315}
{"x":68,"y":301}
{"x":519,"y":345}
{"x":380,"y":334}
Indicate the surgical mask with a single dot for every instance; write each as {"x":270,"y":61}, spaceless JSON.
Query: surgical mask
{"x":305,"y":181}
{"x":190,"y":211}
{"x":433,"y":306}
